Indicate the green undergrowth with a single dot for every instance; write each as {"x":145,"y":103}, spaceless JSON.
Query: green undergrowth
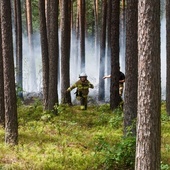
{"x":165,"y":138}
{"x":74,"y":140}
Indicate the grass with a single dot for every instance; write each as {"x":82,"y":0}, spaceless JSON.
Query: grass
{"x":73,"y":140}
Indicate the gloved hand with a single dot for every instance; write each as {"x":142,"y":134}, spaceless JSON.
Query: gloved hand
{"x":68,"y":90}
{"x":91,"y":86}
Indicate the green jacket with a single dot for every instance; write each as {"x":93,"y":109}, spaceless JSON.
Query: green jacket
{"x":82,"y":87}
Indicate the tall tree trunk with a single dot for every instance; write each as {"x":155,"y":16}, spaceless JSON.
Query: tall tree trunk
{"x":11,"y":124}
{"x":108,"y":48}
{"x":82,"y":34}
{"x":114,"y":86}
{"x":18,"y":42}
{"x":122,"y":33}
{"x":32,"y":71}
{"x":108,"y":35}
{"x":2,"y":107}
{"x":131,"y":69}
{"x":65,"y":51}
{"x":168,"y":56}
{"x":102,"y":52}
{"x":72,"y":15}
{"x":44,"y":51}
{"x":96,"y":19}
{"x":149,"y":86}
{"x":53,"y":54}
{"x":47,"y":5}
{"x":77,"y":46}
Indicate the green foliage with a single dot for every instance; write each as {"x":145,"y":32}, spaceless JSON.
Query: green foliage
{"x":73,"y":139}
{"x":19,"y":91}
{"x":118,"y":156}
{"x":165,"y":166}
{"x":116,"y":121}
{"x":123,"y":154}
{"x":35,"y":15}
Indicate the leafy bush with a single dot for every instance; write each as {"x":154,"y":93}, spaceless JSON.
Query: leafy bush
{"x":165,"y":166}
{"x":119,"y":156}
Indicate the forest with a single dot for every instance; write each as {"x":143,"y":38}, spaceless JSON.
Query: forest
{"x":59,"y":55}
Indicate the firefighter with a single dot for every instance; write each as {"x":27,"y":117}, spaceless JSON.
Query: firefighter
{"x":82,"y":91}
{"x":121,"y":81}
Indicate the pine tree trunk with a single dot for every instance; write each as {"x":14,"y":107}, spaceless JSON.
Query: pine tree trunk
{"x":130,"y":97}
{"x":102,"y":52}
{"x":18,"y":42}
{"x":65,"y":51}
{"x":2,"y":107}
{"x":32,"y":68}
{"x":11,"y":124}
{"x":82,"y":34}
{"x":114,"y":86}
{"x":96,"y":20}
{"x":168,"y":56}
{"x":149,"y":86}
{"x":53,"y":54}
{"x":44,"y":52}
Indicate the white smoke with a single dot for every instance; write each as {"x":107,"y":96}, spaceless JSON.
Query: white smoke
{"x":91,"y":64}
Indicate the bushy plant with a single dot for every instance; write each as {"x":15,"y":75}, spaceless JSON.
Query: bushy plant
{"x":119,"y":156}
{"x":165,"y":166}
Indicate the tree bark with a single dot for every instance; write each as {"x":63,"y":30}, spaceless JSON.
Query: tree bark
{"x":114,"y":86}
{"x":108,"y":35}
{"x":131,"y":69}
{"x":149,"y":86}
{"x":82,"y":34}
{"x":65,"y":51}
{"x":2,"y":107}
{"x":168,"y":56}
{"x":18,"y":42}
{"x":96,"y":19}
{"x":53,"y":54}
{"x":11,"y":123}
{"x":32,"y":70}
{"x":44,"y":52}
{"x":102,"y":52}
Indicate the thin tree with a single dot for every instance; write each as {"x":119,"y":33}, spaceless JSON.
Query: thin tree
{"x":47,"y":15}
{"x":114,"y":86}
{"x":108,"y":34}
{"x":65,"y":50}
{"x":53,"y":54}
{"x":131,"y":69}
{"x":77,"y":46}
{"x":122,"y":30}
{"x":18,"y":42}
{"x":149,"y":86}
{"x":108,"y":46}
{"x":96,"y":20}
{"x":44,"y":52}
{"x":102,"y":51}
{"x":74,"y":37}
{"x":82,"y":33}
{"x":2,"y":107}
{"x":11,"y":123}
{"x":32,"y":71}
{"x":168,"y":56}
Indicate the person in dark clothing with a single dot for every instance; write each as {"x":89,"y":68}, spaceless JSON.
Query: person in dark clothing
{"x":121,"y":81}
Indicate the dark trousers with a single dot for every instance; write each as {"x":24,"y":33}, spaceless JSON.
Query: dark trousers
{"x":83,"y":102}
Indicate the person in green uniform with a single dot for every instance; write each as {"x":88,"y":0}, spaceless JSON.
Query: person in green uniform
{"x":82,"y":91}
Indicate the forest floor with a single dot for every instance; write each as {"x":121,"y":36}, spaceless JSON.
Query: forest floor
{"x":74,"y":140}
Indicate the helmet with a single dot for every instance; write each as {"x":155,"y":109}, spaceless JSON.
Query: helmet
{"x":82,"y":75}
